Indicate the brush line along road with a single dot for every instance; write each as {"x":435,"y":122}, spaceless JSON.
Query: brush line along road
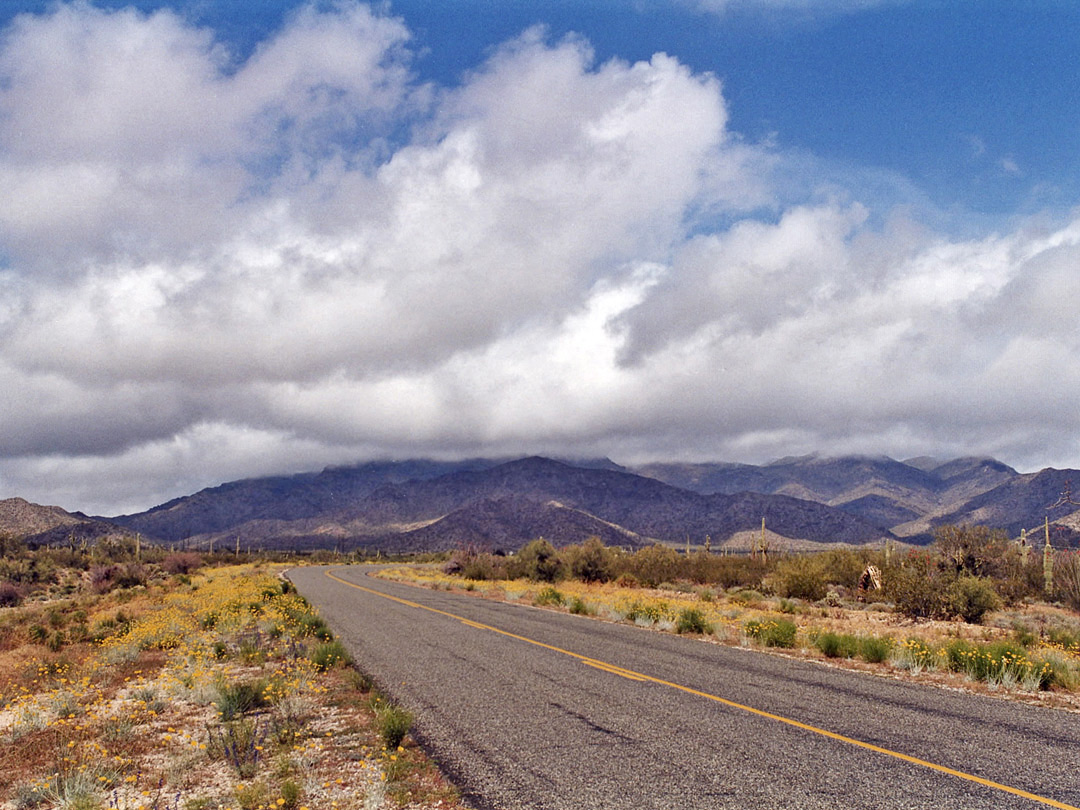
{"x":527,"y":708}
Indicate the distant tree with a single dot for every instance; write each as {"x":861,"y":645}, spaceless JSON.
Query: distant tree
{"x":537,"y":561}
{"x":590,"y":562}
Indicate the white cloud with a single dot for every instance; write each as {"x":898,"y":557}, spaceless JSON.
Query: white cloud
{"x":215,"y":268}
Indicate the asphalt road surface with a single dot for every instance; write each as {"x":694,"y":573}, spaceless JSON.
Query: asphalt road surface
{"x":527,"y":708}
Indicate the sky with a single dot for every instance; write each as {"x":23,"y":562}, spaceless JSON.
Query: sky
{"x":239,"y":242}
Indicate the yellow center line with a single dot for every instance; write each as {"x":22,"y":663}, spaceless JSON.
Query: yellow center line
{"x":638,"y":676}
{"x":614,"y":670}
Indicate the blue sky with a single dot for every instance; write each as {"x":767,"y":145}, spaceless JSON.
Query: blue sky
{"x":241,"y":239}
{"x":975,"y":103}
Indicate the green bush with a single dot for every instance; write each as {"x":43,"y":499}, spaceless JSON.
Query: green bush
{"x":692,"y":620}
{"x":311,"y":624}
{"x":654,"y":564}
{"x":393,"y":724}
{"x":537,"y":561}
{"x":837,"y":645}
{"x":916,"y":586}
{"x":971,"y":598}
{"x":482,"y":567}
{"x":549,"y":596}
{"x":772,"y":632}
{"x":801,"y":577}
{"x":844,"y":566}
{"x":579,"y":607}
{"x":590,"y":562}
{"x":290,"y":794}
{"x":875,"y":649}
{"x":727,"y":571}
{"x":328,"y":655}
{"x":235,"y":699}
{"x":647,"y":611}
{"x":1066,"y":637}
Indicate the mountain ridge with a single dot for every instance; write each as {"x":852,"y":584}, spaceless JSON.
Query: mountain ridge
{"x":423,"y":504}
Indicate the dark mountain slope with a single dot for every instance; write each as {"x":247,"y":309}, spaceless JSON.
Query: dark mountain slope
{"x":893,"y":495}
{"x":507,"y":524}
{"x":1024,"y":502}
{"x":39,"y":525}
{"x":638,"y":504}
{"x":281,"y":498}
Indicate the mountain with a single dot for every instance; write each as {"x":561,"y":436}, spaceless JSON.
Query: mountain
{"x":509,"y":522}
{"x":290,"y":498}
{"x":501,"y":504}
{"x":49,"y":525}
{"x":1025,"y":503}
{"x":901,"y":497}
{"x":434,"y":505}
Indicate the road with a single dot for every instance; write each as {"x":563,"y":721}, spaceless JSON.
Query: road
{"x":526,"y":708}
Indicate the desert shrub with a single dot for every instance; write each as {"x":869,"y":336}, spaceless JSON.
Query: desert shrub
{"x":1067,"y":577}
{"x":747,"y":597}
{"x":916,"y":586}
{"x":239,"y":743}
{"x":837,"y":645}
{"x":691,"y":620}
{"x":590,"y":562}
{"x":844,"y":566}
{"x":971,"y":598}
{"x":1002,"y":662}
{"x":290,"y":794}
{"x":537,"y":561}
{"x":1024,"y":635}
{"x":579,"y":607}
{"x":56,"y":641}
{"x":788,"y":606}
{"x":393,"y":724}
{"x":916,"y":655}
{"x":484,"y":567}
{"x":105,"y":578}
{"x":772,"y":632}
{"x":10,"y":596}
{"x":976,"y":550}
{"x":311,"y":624}
{"x":801,"y":577}
{"x":235,"y":699}
{"x":875,"y":649}
{"x":727,"y":571}
{"x":980,"y":551}
{"x":328,"y":655}
{"x":654,"y":564}
{"x":1068,"y":638}
{"x":647,"y":611}
{"x":182,"y":562}
{"x":549,"y":596}
{"x":471,"y":562}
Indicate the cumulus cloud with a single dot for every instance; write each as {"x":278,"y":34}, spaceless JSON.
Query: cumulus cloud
{"x":213,"y":267}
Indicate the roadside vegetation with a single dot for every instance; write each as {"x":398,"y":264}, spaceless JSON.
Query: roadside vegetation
{"x":973,"y":608}
{"x":132,"y":678}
